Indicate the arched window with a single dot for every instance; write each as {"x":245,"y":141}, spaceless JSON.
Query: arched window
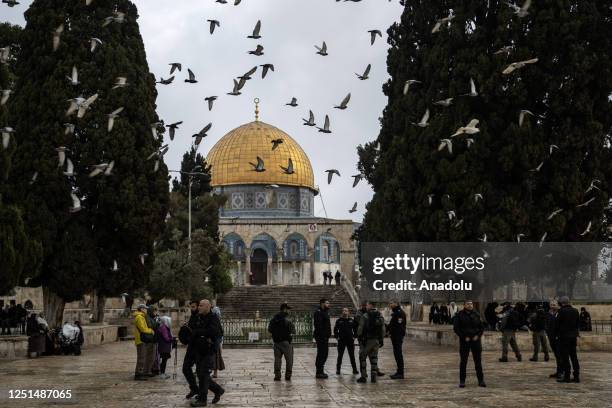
{"x":293,"y":249}
{"x":325,"y":251}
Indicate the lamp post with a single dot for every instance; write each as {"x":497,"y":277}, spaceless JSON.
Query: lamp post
{"x":190,"y":174}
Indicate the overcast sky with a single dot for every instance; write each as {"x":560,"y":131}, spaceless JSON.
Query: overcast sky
{"x":177,"y":31}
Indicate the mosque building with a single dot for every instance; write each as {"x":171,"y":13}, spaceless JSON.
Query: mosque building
{"x":268,"y":223}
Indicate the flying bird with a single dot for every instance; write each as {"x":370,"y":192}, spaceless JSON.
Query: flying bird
{"x":210,"y":100}
{"x":192,"y":78}
{"x":424,"y":120}
{"x":4,"y":96}
{"x":589,"y":201}
{"x":76,"y":203}
{"x":255,"y":35}
{"x":74,"y":77}
{"x":247,"y":75}
{"x":174,"y":66}
{"x":10,"y":3}
{"x":120,"y":82}
{"x":469,"y":129}
{"x":112,"y":116}
{"x":259,"y":167}
{"x":258,"y":50}
{"x":165,"y":81}
{"x":61,"y":155}
{"x":477,"y":197}
{"x":289,"y":168}
{"x":80,"y":105}
{"x":473,"y":91}
{"x":117,"y":17}
{"x":5,"y":54}
{"x":356,"y":179}
{"x":325,"y":128}
{"x":266,"y":68}
{"x":551,"y":148}
{"x":310,"y":121}
{"x":587,"y":230}
{"x":543,"y":239}
{"x":293,"y":102}
{"x":439,"y":23}
{"x":237,"y":87}
{"x":322,"y":50}
{"x":344,"y":104}
{"x":6,"y":136}
{"x":408,"y":83}
{"x":69,"y":168}
{"x":57,"y":34}
{"x":518,"y":65}
{"x":352,"y":210}
{"x":504,"y":50}
{"x":444,"y":102}
{"x":94,"y":43}
{"x":365,"y":74}
{"x":451,"y":214}
{"x":213,"y":24}
{"x":275,"y":143}
{"x":202,"y":134}
{"x":172,"y":129}
{"x":522,"y":10}
{"x":555,"y":212}
{"x":446,"y":143}
{"x":373,"y":34}
{"x":155,"y":128}
{"x":539,"y":166}
{"x":69,"y":128}
{"x":593,"y":185}
{"x":330,"y":174}
{"x":523,"y":113}
{"x":102,"y":168}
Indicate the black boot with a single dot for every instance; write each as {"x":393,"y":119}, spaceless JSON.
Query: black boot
{"x":217,"y":396}
{"x":362,"y":380}
{"x":397,"y":376}
{"x":192,"y":393}
{"x":373,"y":377}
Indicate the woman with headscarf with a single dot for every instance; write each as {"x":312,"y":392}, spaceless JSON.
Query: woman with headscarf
{"x":164,"y":344}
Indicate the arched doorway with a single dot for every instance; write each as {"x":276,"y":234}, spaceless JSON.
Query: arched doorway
{"x":259,"y":267}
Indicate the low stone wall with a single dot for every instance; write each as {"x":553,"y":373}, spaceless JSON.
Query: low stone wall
{"x":94,"y":335}
{"x":491,"y":341}
{"x":13,"y":347}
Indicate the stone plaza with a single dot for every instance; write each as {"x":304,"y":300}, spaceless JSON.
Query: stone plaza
{"x":102,"y":377}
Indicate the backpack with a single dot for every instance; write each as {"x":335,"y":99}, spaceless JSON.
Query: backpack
{"x":514,"y":321}
{"x":374,"y":324}
{"x":184,"y":334}
{"x":278,"y":327}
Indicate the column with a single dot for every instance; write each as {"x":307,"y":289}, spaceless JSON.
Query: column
{"x":247,"y":270}
{"x":279,"y":269}
{"x":239,"y":281}
{"x":269,"y":271}
{"x":311,"y":254}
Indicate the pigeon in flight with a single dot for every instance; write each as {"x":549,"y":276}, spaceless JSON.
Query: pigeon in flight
{"x":69,"y":168}
{"x":172,"y":129}
{"x":439,"y":23}
{"x":57,"y":34}
{"x":213,"y":24}
{"x":552,"y":214}
{"x":120,"y":82}
{"x":247,"y":75}
{"x":117,"y":17}
{"x":10,"y":3}
{"x":589,"y":201}
{"x":356,"y":179}
{"x":76,"y":203}
{"x":6,"y":136}
{"x":593,"y":185}
{"x":69,"y":128}
{"x":518,"y":65}
{"x":344,"y":104}
{"x":365,"y":74}
{"x":468,"y":129}
{"x":446,"y":143}
{"x":174,"y":66}
{"x":293,"y":102}
{"x":587,"y":230}
{"x":538,"y":167}
{"x":266,"y":68}
{"x":330,"y":174}
{"x":504,"y":50}
{"x":166,"y":81}
{"x":61,"y":155}
{"x":237,"y":87}
{"x":473,"y":91}
{"x":525,"y":112}
{"x":373,"y":34}
{"x":202,"y":134}
{"x":310,"y":121}
{"x":354,"y":209}
{"x":444,"y":102}
{"x":210,"y":100}
{"x":325,"y":128}
{"x":155,"y":129}
{"x":94,"y":43}
{"x":289,"y":168}
{"x":408,"y":83}
{"x":112,"y":116}
{"x":5,"y":54}
{"x":102,"y":168}
{"x":80,"y":105}
{"x":521,"y":11}
{"x":192,"y":79}
{"x":74,"y":77}
{"x":5,"y":94}
{"x":322,"y":50}
{"x":255,"y":35}
{"x":424,"y":120}
{"x":275,"y":143}
{"x":258,"y":50}
{"x":259,"y":167}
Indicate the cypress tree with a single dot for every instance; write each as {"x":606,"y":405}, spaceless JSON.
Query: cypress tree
{"x":123,"y":207}
{"x":512,"y":177}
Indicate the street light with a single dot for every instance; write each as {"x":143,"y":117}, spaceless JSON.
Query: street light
{"x":190,"y":175}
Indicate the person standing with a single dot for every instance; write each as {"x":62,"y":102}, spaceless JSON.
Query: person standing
{"x":185,"y":334}
{"x":469,"y":328}
{"x":551,"y":326}
{"x":434,"y":314}
{"x":585,"y":320}
{"x":206,"y":330}
{"x":152,"y":317}
{"x":443,"y":314}
{"x":322,"y":333}
{"x":452,"y":311}
{"x":337,"y":277}
{"x":371,"y":332}
{"x":491,"y":315}
{"x":397,"y":331}
{"x":509,"y":324}
{"x":537,"y":325}
{"x":164,"y":344}
{"x":345,"y":331}
{"x":142,"y":330}
{"x":219,"y":363}
{"x":363,"y":310}
{"x":282,"y":328}
{"x":567,"y":332}
{"x":4,"y":320}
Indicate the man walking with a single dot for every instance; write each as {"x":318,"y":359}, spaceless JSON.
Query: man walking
{"x":281,"y":329}
{"x":551,"y":326}
{"x":345,"y":331}
{"x":206,"y":330}
{"x":537,"y":324}
{"x":185,"y":334}
{"x":567,"y":331}
{"x":397,"y":331}
{"x":469,"y":328}
{"x":322,"y":333}
{"x":370,"y":333}
{"x":510,"y":323}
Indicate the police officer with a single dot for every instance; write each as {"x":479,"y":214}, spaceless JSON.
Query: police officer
{"x":322,"y":333}
{"x":371,"y":332}
{"x":206,"y":330}
{"x":397,"y":331}
{"x":345,"y":331}
{"x":363,"y":309}
{"x":469,"y":328}
{"x":567,"y":332}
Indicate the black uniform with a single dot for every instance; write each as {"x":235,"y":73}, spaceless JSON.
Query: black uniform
{"x":567,"y":332}
{"x":190,"y":358}
{"x":345,"y":331}
{"x":206,"y":330}
{"x":322,"y":333}
{"x":397,"y":331}
{"x":550,"y":327}
{"x":468,"y":324}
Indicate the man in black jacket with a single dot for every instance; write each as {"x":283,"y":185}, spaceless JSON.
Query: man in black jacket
{"x":206,"y":329}
{"x":567,"y":332}
{"x":397,"y":330}
{"x":281,"y":329}
{"x":537,"y":325}
{"x":345,"y":331}
{"x":322,"y":333}
{"x":469,"y":328}
{"x":551,"y":326}
{"x":190,"y":355}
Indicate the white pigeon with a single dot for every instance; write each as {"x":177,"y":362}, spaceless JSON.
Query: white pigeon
{"x":69,"y":128}
{"x":522,"y":10}
{"x":504,"y":50}
{"x":551,"y":148}
{"x":469,"y":142}
{"x":115,"y":266}
{"x":430,"y":198}
{"x":473,"y":91}
{"x":117,"y":17}
{"x":587,"y":230}
{"x":74,"y":77}
{"x":408,"y":83}
{"x":99,"y":169}
{"x":34,"y":177}
{"x":451,"y":214}
{"x":538,"y":167}
{"x":469,"y":129}
{"x":6,"y":136}
{"x":61,"y":155}
{"x":552,"y":214}
{"x":543,"y":239}
{"x":518,"y":237}
{"x":80,"y":105}
{"x":477,"y":197}
{"x":424,"y":120}
{"x":444,"y":102}
{"x":523,"y":113}
{"x":56,"y":36}
{"x":76,"y":203}
{"x":446,"y":143}
{"x":69,"y":168}
{"x":589,"y":201}
{"x":592,"y":186}
{"x":93,"y":43}
{"x":112,"y":116}
{"x":518,"y":65}
{"x":5,"y":55}
{"x":4,"y":96}
{"x":120,"y":82}
{"x":439,"y":23}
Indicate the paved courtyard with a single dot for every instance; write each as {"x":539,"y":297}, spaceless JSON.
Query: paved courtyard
{"x":101,"y":377}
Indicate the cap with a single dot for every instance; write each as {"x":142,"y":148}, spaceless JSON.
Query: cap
{"x":564,"y":300}
{"x":284,"y":306}
{"x":141,"y":306}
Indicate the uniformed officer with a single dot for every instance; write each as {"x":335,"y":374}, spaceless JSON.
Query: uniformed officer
{"x":397,"y":331}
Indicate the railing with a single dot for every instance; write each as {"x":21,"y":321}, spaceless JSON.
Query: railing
{"x":255,"y":331}
{"x":601,"y":326}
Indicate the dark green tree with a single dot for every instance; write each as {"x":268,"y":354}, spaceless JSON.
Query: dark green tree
{"x":523,"y":173}
{"x":124,"y":207}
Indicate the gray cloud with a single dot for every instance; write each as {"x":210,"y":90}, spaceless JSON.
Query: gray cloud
{"x":178,"y":31}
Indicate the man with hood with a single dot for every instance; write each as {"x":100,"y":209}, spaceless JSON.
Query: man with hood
{"x":281,"y":328}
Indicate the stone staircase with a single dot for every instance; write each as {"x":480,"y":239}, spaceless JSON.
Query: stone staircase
{"x":244,"y":301}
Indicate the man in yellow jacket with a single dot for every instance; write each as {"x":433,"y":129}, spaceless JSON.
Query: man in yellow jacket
{"x":144,"y":350}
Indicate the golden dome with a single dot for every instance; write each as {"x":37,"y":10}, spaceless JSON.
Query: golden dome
{"x":231,"y":155}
